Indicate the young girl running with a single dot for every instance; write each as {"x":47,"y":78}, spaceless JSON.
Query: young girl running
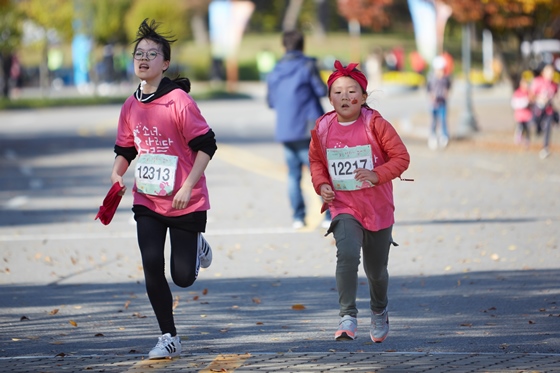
{"x":354,"y":155}
{"x":162,"y":124}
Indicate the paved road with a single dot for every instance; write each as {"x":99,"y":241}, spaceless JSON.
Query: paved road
{"x":473,"y":282}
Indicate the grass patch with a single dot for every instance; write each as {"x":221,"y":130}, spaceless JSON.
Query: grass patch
{"x":39,"y":103}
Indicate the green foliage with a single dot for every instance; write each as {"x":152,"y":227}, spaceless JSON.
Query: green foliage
{"x":10,"y":27}
{"x":108,"y":25}
{"x":51,"y":14}
{"x":173,"y":15}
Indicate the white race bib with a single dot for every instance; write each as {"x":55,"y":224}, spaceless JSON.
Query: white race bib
{"x":155,"y":174}
{"x":343,"y":162}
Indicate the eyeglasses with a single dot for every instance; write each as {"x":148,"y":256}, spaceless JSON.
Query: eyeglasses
{"x":149,"y":55}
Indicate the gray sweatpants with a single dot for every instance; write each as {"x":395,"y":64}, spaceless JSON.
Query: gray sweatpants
{"x":351,"y":237}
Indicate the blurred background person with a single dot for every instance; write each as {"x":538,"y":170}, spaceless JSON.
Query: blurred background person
{"x":294,"y":91}
{"x":438,"y":87}
{"x":522,"y":114}
{"x":542,"y":92}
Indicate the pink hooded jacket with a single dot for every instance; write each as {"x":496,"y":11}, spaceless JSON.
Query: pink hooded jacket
{"x":372,"y":207}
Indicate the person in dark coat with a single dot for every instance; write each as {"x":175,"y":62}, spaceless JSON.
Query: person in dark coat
{"x":294,"y":91}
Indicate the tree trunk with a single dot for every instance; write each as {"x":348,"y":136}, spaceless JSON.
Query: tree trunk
{"x":199,"y":29}
{"x":292,"y":15}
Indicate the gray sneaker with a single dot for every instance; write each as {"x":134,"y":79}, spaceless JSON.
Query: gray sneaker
{"x":379,"y":326}
{"x":204,"y":252}
{"x":347,"y":328}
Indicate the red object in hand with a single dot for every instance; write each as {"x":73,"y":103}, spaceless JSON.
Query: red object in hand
{"x":110,"y":204}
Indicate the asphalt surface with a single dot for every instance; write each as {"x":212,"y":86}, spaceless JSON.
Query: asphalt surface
{"x":473,"y":286}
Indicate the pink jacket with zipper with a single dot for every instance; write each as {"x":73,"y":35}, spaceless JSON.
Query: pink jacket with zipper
{"x":372,"y":207}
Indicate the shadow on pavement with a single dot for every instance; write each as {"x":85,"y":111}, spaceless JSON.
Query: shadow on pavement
{"x":477,"y":312}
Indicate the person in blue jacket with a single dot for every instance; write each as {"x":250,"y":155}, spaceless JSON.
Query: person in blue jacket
{"x":294,"y":91}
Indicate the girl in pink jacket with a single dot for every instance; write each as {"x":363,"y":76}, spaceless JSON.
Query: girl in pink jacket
{"x":354,"y":155}
{"x":521,"y":105}
{"x":162,"y":125}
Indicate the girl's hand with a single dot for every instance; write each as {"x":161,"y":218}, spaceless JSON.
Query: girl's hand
{"x":182,"y":198}
{"x":365,"y":175}
{"x":327,"y":193}
{"x":118,"y":179}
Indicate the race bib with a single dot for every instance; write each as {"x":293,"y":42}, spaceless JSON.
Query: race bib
{"x":155,"y":174}
{"x":343,"y":162}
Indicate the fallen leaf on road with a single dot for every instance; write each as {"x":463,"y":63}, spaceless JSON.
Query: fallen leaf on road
{"x":54,"y":312}
{"x":73,"y":323}
{"x":298,"y":307}
{"x":256,"y":300}
{"x":205,"y":291}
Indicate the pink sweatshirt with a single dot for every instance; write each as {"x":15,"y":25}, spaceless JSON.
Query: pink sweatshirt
{"x":165,"y":126}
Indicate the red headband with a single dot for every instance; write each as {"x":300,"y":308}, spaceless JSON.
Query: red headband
{"x":349,"y":71}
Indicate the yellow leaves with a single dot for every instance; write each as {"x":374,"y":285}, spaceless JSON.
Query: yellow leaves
{"x":73,"y":323}
{"x":54,"y":312}
{"x":298,"y":307}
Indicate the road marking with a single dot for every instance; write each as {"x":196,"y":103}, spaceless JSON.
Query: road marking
{"x":153,"y":365}
{"x":225,"y":363}
{"x":16,"y":202}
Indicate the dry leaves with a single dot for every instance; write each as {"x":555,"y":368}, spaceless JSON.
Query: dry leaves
{"x":298,"y":307}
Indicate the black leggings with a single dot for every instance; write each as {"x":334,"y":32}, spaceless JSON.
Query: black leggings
{"x":152,"y":230}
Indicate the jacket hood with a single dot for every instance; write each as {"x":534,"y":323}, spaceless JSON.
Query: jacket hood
{"x":165,"y":86}
{"x":292,"y":62}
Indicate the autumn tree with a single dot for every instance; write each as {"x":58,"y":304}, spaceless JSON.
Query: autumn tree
{"x":510,"y":20}
{"x":367,"y":13}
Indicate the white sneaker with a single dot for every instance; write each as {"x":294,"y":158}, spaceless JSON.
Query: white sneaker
{"x":432,"y":142}
{"x":379,"y":326}
{"x":347,"y":328}
{"x":544,"y":153}
{"x":204,"y":252}
{"x":298,"y":224}
{"x":443,"y":141}
{"x":167,"y":347}
{"x":326,"y":223}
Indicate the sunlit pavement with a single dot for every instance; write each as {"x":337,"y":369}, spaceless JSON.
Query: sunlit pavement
{"x":473,"y":282}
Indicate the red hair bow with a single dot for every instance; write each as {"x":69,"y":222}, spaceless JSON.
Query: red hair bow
{"x":349,"y":71}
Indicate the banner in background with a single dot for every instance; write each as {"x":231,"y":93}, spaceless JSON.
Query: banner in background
{"x":81,"y":48}
{"x":227,"y":21}
{"x":423,"y":13}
